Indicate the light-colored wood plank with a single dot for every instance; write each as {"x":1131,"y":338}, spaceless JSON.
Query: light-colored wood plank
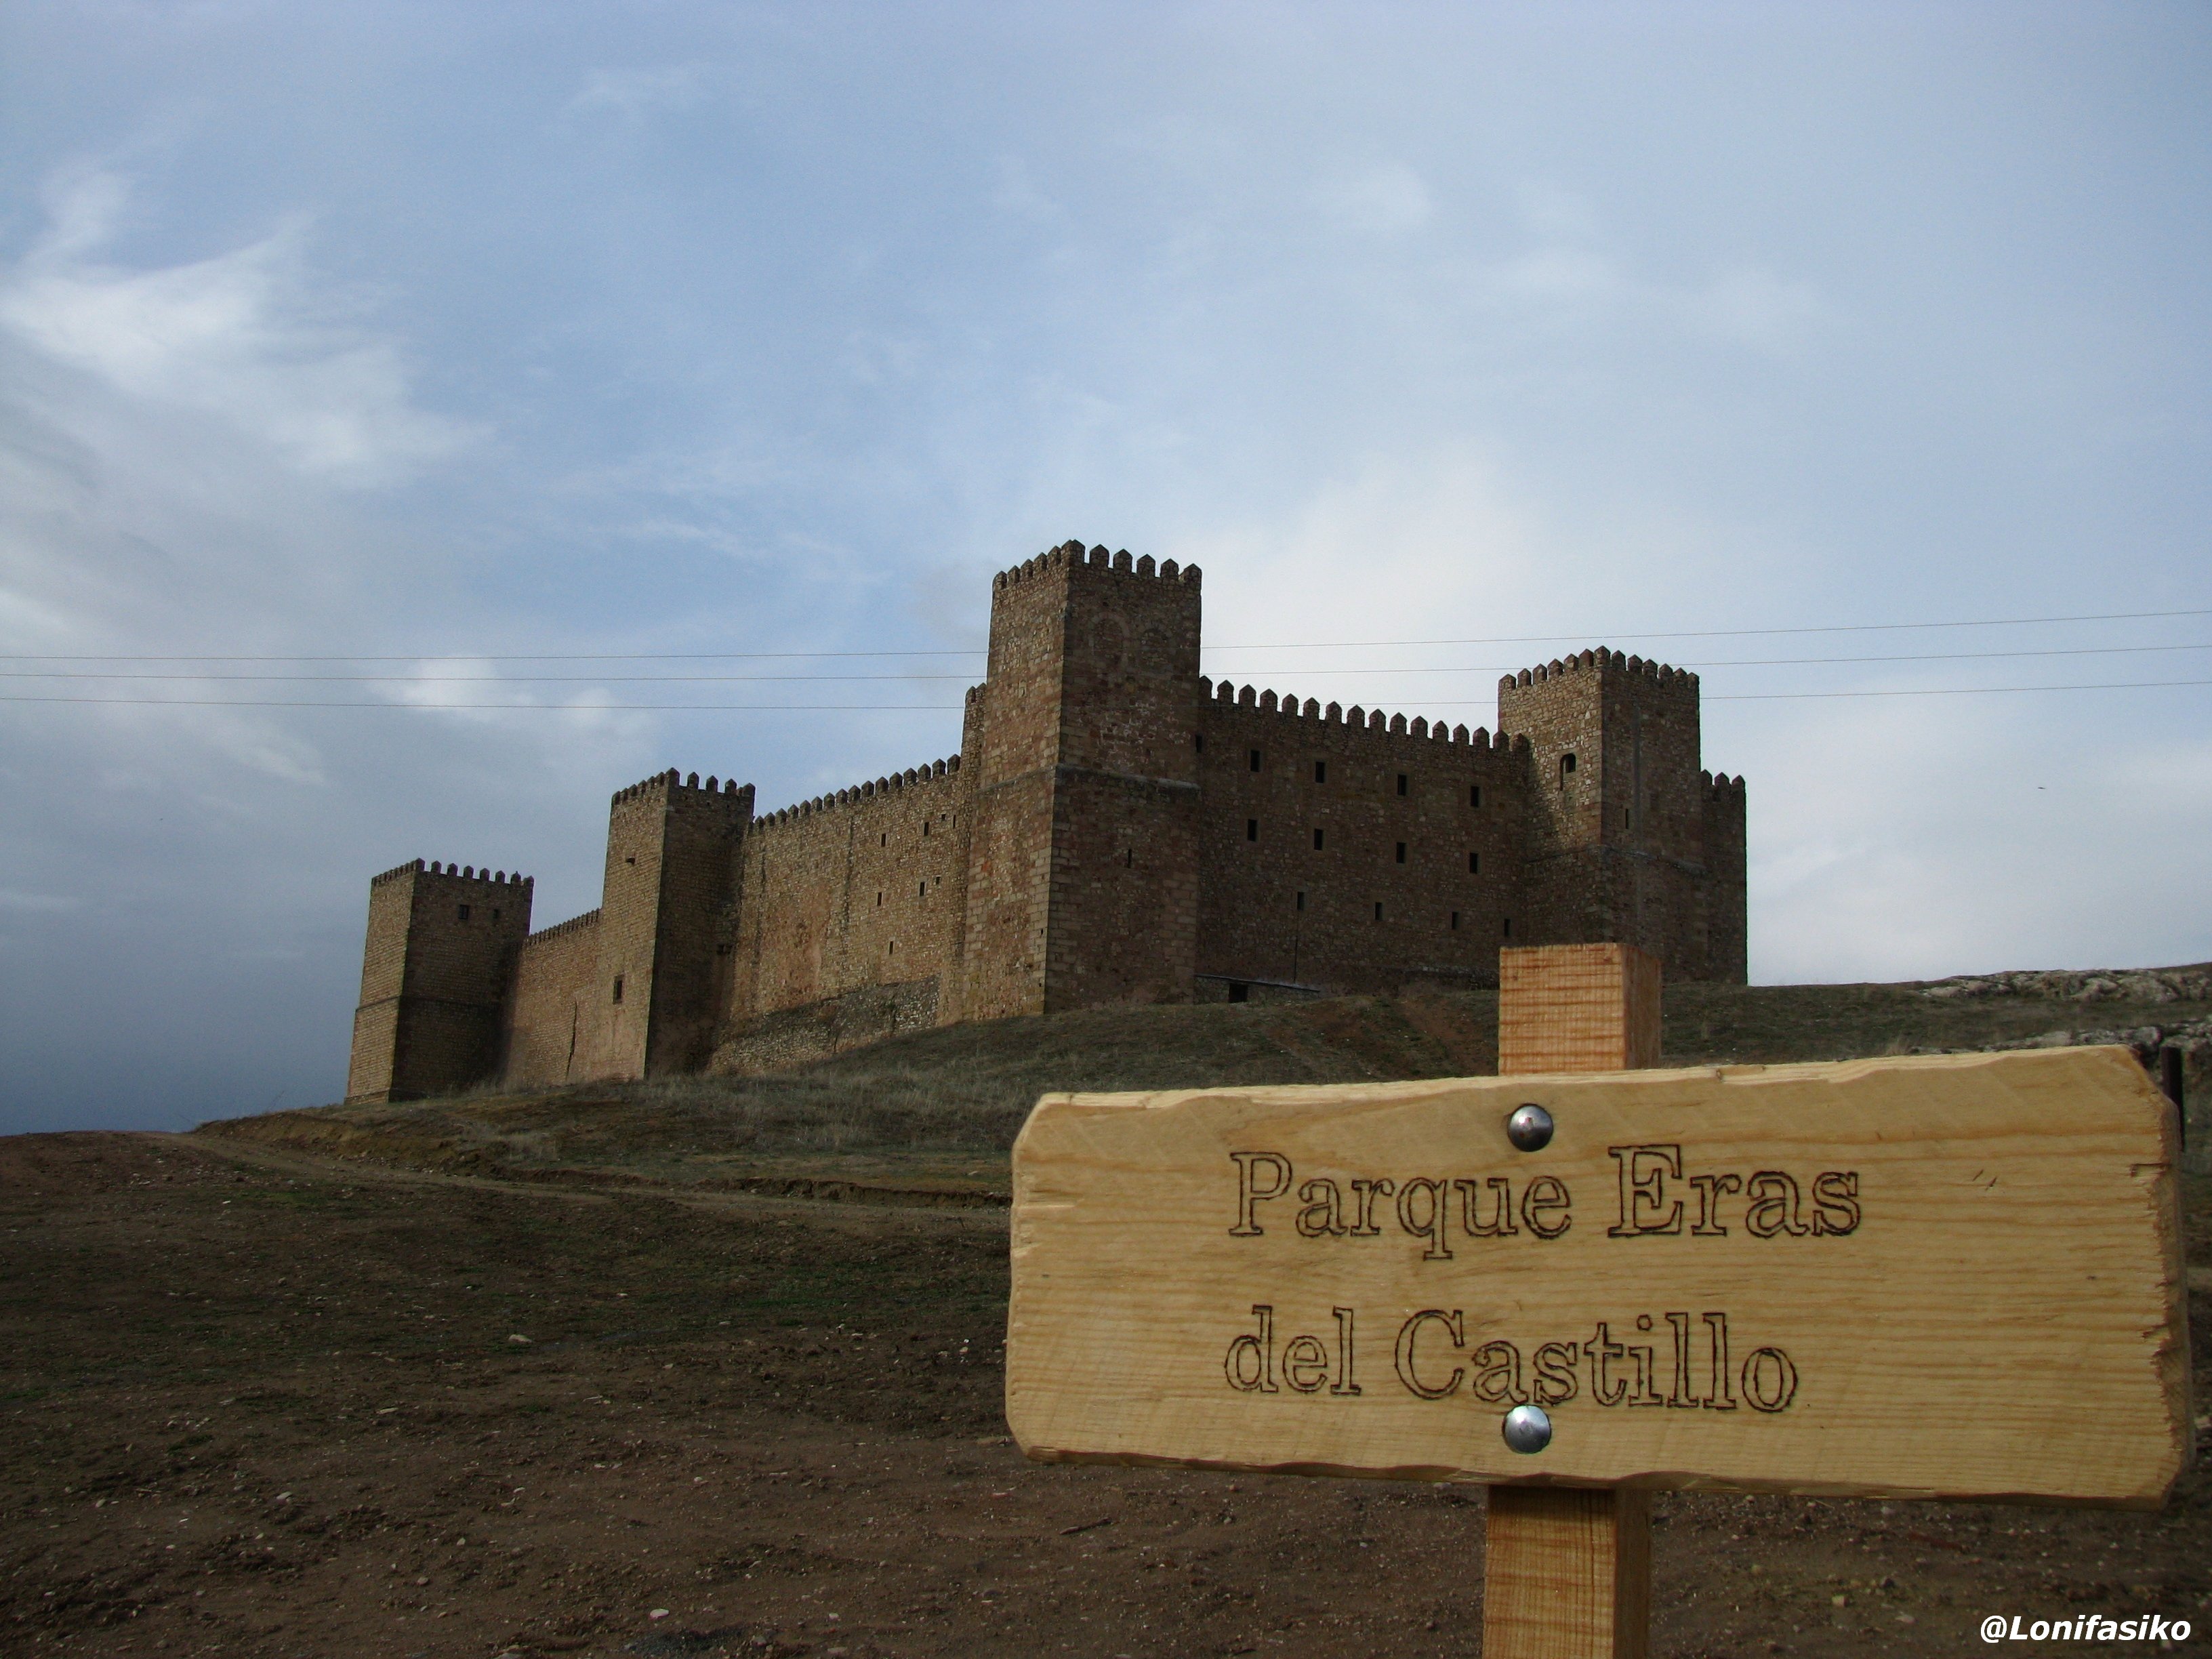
{"x":1567,"y":1574}
{"x":1577,"y":1008}
{"x":1991,"y":1305}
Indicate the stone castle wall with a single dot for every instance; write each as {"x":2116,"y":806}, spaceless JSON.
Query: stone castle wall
{"x":1115,"y":829}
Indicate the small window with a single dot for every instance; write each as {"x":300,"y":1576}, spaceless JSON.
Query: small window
{"x":1401,"y":783}
{"x":1474,"y":864}
{"x":495,"y":913}
{"x":1251,"y":828}
{"x":1255,"y":760}
{"x":1455,"y":922}
{"x":879,"y":900}
{"x":1198,"y":741}
{"x":1508,"y":928}
{"x":1379,"y":910}
{"x":1627,"y":817}
{"x":883,"y":840}
{"x":894,"y":949}
{"x":1302,"y":902}
{"x":1401,"y":852}
{"x":1474,"y":794}
{"x":1239,"y":991}
{"x":1316,"y":840}
{"x":1129,"y":858}
{"x":619,"y":979}
{"x":922,"y":889}
{"x":1321,"y":771}
{"x":1566,"y":768}
{"x":461,"y":912}
{"x":925,"y":829}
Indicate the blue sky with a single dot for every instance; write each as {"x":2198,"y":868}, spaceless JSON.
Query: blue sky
{"x":486,"y":333}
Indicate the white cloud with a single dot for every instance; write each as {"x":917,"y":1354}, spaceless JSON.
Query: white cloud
{"x":243,"y":336}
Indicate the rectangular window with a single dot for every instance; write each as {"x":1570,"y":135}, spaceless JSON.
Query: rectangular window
{"x":1302,"y":902}
{"x":1508,"y":928}
{"x":1455,"y":922}
{"x":1379,"y":910}
{"x":495,"y":913}
{"x":879,"y":900}
{"x":1198,"y":739}
{"x":1474,"y":794}
{"x":618,"y":979}
{"x":1401,"y":783}
{"x":922,"y":889}
{"x":1401,"y":852}
{"x":925,"y":829}
{"x":463,"y":911}
{"x":1316,"y":840}
{"x":1474,"y":864}
{"x":1251,"y":828}
{"x":1255,"y":760}
{"x":1321,"y":771}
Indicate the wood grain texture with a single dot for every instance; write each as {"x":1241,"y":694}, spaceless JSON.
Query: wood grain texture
{"x":1567,"y":1574}
{"x":1994,"y":1309}
{"x":1577,"y":1008}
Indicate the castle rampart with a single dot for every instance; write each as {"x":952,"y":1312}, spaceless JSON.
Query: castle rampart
{"x":1115,"y":829}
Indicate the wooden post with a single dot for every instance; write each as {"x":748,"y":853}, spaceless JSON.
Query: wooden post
{"x":1567,"y":1571}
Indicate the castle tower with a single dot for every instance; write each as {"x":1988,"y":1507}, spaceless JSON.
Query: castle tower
{"x":1621,"y":827}
{"x":435,"y":973}
{"x":672,"y":858}
{"x":1082,"y":853}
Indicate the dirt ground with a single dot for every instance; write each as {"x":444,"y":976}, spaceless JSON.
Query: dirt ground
{"x":254,"y":1402}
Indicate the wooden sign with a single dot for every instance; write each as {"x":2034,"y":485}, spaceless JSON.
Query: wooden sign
{"x":1956,"y":1276}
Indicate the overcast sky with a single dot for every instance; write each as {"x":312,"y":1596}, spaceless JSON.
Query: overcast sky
{"x":484,"y":332}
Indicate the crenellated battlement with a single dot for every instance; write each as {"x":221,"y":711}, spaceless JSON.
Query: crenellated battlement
{"x":451,"y":872}
{"x":1117,"y":828}
{"x":562,"y":929}
{"x":1071,"y":555}
{"x":1599,"y":657}
{"x":671,"y":786}
{"x":858,"y":794}
{"x":1419,"y":728}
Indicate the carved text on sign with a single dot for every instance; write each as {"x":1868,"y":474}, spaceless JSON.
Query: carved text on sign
{"x":1653,"y":1198}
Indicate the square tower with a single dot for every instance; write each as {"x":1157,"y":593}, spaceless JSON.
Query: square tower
{"x":1617,"y":845}
{"x":1083,"y":856}
{"x":435,"y":974}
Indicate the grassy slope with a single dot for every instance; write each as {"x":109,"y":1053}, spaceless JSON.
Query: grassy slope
{"x":934,"y":1112}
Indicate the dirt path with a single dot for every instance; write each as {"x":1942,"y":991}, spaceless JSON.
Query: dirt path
{"x":255,"y":1403}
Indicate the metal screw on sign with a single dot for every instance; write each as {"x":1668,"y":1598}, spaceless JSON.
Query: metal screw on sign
{"x":1529,"y":1128}
{"x":1528,"y":1428}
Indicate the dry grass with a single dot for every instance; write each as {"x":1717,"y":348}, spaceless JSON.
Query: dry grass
{"x":939,"y":1108}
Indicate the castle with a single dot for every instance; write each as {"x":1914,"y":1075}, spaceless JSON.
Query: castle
{"x":1115,"y":829}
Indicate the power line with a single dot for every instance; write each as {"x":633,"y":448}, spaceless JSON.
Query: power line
{"x":727,"y":680}
{"x":947,"y":707}
{"x":1288,"y":645}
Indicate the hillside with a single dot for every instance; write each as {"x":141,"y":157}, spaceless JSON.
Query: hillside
{"x":928,"y":1117}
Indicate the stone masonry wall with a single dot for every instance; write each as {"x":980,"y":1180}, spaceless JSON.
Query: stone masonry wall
{"x":846,"y":892}
{"x":1617,"y":807}
{"x":1122,"y":916}
{"x":550,"y":1039}
{"x":435,"y":1024}
{"x":1115,"y":829}
{"x":1350,"y":851}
